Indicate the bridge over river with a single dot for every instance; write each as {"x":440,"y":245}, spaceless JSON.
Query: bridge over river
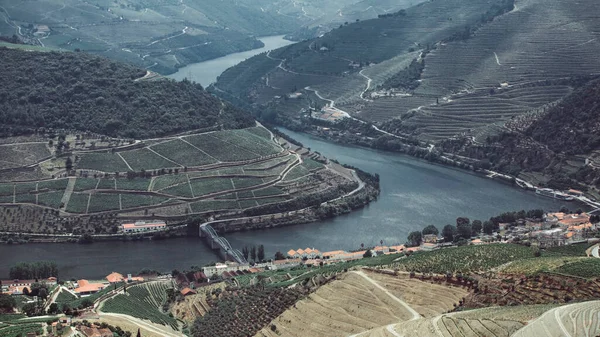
{"x":220,"y":244}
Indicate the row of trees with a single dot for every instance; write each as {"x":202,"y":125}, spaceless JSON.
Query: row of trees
{"x":465,"y":229}
{"x":255,"y":253}
{"x":33,"y":270}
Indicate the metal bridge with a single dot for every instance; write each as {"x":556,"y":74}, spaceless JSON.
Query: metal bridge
{"x":227,"y":250}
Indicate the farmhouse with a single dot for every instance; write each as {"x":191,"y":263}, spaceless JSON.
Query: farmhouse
{"x":95,"y":331}
{"x":84,"y":287}
{"x":115,"y":277}
{"x":309,"y":253}
{"x":143,"y":226}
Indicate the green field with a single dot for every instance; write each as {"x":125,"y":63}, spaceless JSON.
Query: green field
{"x":142,"y":301}
{"x":78,"y":203}
{"x":7,"y":189}
{"x":271,"y":190}
{"x":85,"y":184}
{"x":247,"y":204}
{"x":219,"y":149}
{"x":104,"y":162}
{"x":210,"y":185}
{"x":183,"y":153}
{"x":270,"y":200}
{"x":25,"y":188}
{"x":296,"y":172}
{"x":246,"y":182}
{"x":25,"y":198}
{"x":466,"y":259}
{"x":213,"y":205}
{"x":165,"y":181}
{"x":51,"y":199}
{"x":144,"y":159}
{"x":65,"y":297}
{"x":20,"y":330}
{"x":135,"y":200}
{"x":587,"y":268}
{"x":57,"y":185}
{"x":106,"y":184}
{"x":101,"y":202}
{"x":181,"y":190}
{"x":136,"y":184}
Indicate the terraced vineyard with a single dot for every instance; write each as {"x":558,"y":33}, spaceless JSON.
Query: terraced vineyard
{"x":142,"y":301}
{"x":580,"y":319}
{"x":224,"y":171}
{"x":466,"y":259}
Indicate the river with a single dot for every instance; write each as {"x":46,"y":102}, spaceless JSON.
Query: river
{"x":414,"y":194}
{"x":207,"y":72}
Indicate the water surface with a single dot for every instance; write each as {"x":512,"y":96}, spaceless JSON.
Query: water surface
{"x":207,"y":72}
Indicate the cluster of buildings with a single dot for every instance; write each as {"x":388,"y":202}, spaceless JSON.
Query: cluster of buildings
{"x":144,"y":227}
{"x":17,"y":287}
{"x":85,"y":287}
{"x":557,"y":229}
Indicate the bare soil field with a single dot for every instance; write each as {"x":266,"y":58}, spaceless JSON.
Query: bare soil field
{"x":427,"y":299}
{"x":353,"y":304}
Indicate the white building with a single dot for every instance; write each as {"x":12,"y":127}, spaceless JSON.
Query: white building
{"x":143,"y":226}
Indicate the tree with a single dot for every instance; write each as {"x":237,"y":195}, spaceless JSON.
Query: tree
{"x":476,"y":227}
{"x":464,"y":230}
{"x":29,"y":309}
{"x":53,"y":309}
{"x":415,"y":238}
{"x":431,"y":229}
{"x":43,"y":293}
{"x":462,"y":221}
{"x":261,"y":253}
{"x":488,"y":227}
{"x":245,"y":252}
{"x":368,"y":253}
{"x":86,"y":303}
{"x":7,"y":303}
{"x":279,"y":256}
{"x":139,"y":333}
{"x":448,"y":233}
{"x":253,"y":253}
{"x":69,"y":164}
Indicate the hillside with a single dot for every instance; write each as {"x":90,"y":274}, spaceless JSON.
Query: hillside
{"x":557,"y":147}
{"x":325,"y":59}
{"x":164,"y":35}
{"x":432,"y":71}
{"x":87,"y":93}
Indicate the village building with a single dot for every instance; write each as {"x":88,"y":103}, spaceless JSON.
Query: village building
{"x":220,"y":268}
{"x":143,"y":226}
{"x":95,"y":331}
{"x":430,"y":238}
{"x":309,"y":253}
{"x":187,"y":291}
{"x":115,"y":277}
{"x":84,"y":287}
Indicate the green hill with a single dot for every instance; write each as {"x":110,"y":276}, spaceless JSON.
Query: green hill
{"x":88,"y":93}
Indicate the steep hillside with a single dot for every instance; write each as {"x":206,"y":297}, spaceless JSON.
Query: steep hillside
{"x":88,"y":93}
{"x":340,"y":58}
{"x":435,"y":70}
{"x":167,"y":34}
{"x":557,"y":147}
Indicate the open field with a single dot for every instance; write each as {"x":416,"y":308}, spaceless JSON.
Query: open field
{"x":15,"y":155}
{"x":466,"y":259}
{"x":355,"y":303}
{"x":142,"y":301}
